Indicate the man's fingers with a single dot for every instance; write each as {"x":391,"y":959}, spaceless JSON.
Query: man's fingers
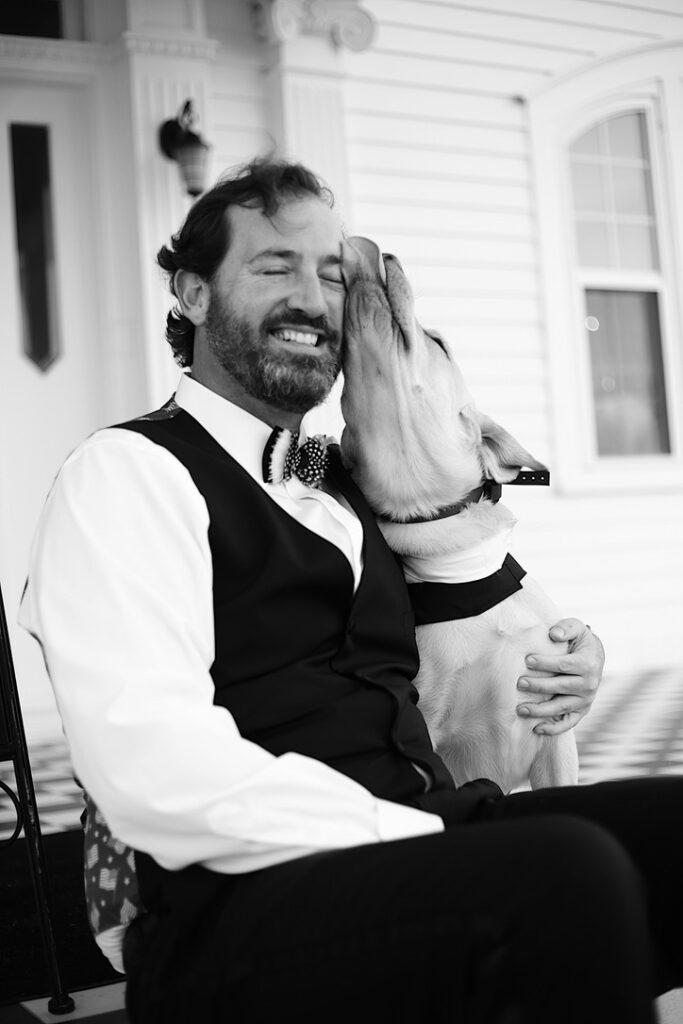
{"x":558,"y":705}
{"x":554,"y":728}
{"x":552,"y":684}
{"x":557,"y":715}
{"x":562,"y":664}
{"x":585,"y":658}
{"x":566,"y":682}
{"x":568,"y":629}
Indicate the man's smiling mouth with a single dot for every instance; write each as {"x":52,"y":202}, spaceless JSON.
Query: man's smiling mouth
{"x":308,"y":338}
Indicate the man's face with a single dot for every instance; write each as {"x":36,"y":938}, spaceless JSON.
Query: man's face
{"x":277,"y":302}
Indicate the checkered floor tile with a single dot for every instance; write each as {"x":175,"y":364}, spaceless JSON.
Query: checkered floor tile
{"x":59,"y":799}
{"x":635,"y":728}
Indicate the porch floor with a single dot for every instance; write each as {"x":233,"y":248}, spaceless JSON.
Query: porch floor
{"x":634,"y":728}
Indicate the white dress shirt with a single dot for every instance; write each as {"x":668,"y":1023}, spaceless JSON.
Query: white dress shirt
{"x":244,"y":437}
{"x":120,"y":597}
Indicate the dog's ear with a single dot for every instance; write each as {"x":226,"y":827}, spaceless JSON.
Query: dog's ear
{"x":469,"y":421}
{"x":500,"y":454}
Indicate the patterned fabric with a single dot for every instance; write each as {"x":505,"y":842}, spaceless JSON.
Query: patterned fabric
{"x":283,"y":458}
{"x":111,"y":887}
{"x":166,"y":412}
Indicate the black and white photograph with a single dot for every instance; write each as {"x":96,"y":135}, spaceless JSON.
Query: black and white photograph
{"x":341,"y":511}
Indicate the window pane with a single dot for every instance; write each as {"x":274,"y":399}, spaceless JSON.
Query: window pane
{"x":35,"y":255}
{"x":637,"y":249}
{"x":589,"y":193}
{"x":628,"y":375}
{"x":631,"y":190}
{"x":626,"y":136}
{"x":588,"y":143}
{"x":611,"y":177}
{"x":593,"y":240}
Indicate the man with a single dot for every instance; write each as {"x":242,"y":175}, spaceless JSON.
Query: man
{"x":233,"y":659}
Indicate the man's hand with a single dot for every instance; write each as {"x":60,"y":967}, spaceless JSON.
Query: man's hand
{"x":572,"y":687}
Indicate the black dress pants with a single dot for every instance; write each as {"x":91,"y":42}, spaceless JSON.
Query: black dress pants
{"x":561,"y":906}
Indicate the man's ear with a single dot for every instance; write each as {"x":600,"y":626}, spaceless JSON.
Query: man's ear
{"x":192,"y":292}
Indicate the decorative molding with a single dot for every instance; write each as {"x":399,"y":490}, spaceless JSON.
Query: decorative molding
{"x":343,"y":21}
{"x":609,"y":62}
{"x":156,"y":46}
{"x":34,"y":51}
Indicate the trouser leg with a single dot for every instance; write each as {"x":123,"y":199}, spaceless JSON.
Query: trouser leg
{"x":645,"y":816}
{"x":483,"y":924}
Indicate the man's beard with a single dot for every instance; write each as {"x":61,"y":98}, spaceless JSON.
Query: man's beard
{"x":291,"y":381}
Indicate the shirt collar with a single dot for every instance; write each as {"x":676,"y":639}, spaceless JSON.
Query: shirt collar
{"x":242,"y":435}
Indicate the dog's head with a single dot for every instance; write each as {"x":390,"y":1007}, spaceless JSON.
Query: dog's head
{"x":414,"y":441}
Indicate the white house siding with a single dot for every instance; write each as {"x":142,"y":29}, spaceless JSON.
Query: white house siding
{"x":441,"y":173}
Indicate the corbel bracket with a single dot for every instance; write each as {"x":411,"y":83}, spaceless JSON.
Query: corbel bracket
{"x":344,"y":22}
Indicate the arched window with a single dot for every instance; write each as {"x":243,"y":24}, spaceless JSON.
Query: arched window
{"x":607,"y":150}
{"x":618,"y":272}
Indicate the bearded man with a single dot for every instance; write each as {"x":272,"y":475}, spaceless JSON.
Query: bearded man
{"x":232,"y":652}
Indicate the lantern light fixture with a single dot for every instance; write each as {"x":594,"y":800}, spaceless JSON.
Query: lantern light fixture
{"x":180,"y":141}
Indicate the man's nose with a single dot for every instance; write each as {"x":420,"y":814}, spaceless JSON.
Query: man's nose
{"x":308,"y":296}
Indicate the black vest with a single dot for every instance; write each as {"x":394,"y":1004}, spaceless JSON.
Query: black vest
{"x":301,"y":663}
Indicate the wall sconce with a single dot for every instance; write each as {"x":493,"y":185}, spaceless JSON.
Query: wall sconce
{"x":179,"y":141}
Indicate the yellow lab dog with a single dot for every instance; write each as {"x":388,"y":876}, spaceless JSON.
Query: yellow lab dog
{"x":428,"y":463}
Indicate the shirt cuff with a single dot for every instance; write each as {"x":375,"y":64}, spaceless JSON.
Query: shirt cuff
{"x":110,"y":942}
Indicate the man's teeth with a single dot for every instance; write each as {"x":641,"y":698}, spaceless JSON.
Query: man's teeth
{"x":300,"y":337}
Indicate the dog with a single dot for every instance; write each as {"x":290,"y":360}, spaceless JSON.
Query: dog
{"x":422,"y":454}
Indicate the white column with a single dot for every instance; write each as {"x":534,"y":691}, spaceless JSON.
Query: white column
{"x":168,"y":56}
{"x":305,"y":81}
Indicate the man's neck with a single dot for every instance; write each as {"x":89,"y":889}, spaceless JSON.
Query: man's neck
{"x":227,"y":387}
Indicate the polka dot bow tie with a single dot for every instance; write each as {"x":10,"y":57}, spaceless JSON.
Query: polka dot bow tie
{"x":283,"y":458}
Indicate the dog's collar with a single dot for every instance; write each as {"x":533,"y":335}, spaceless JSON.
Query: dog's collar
{"x":490,"y":490}
{"x":444,"y":602}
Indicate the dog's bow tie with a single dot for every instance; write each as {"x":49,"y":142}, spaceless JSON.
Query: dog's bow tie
{"x":283,"y":458}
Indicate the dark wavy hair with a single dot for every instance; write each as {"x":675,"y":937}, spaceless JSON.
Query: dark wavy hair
{"x":204,"y":238}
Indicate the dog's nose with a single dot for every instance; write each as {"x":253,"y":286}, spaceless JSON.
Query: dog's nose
{"x":394,"y":259}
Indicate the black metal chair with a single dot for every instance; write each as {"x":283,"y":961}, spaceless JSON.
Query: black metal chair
{"x":13,"y":748}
